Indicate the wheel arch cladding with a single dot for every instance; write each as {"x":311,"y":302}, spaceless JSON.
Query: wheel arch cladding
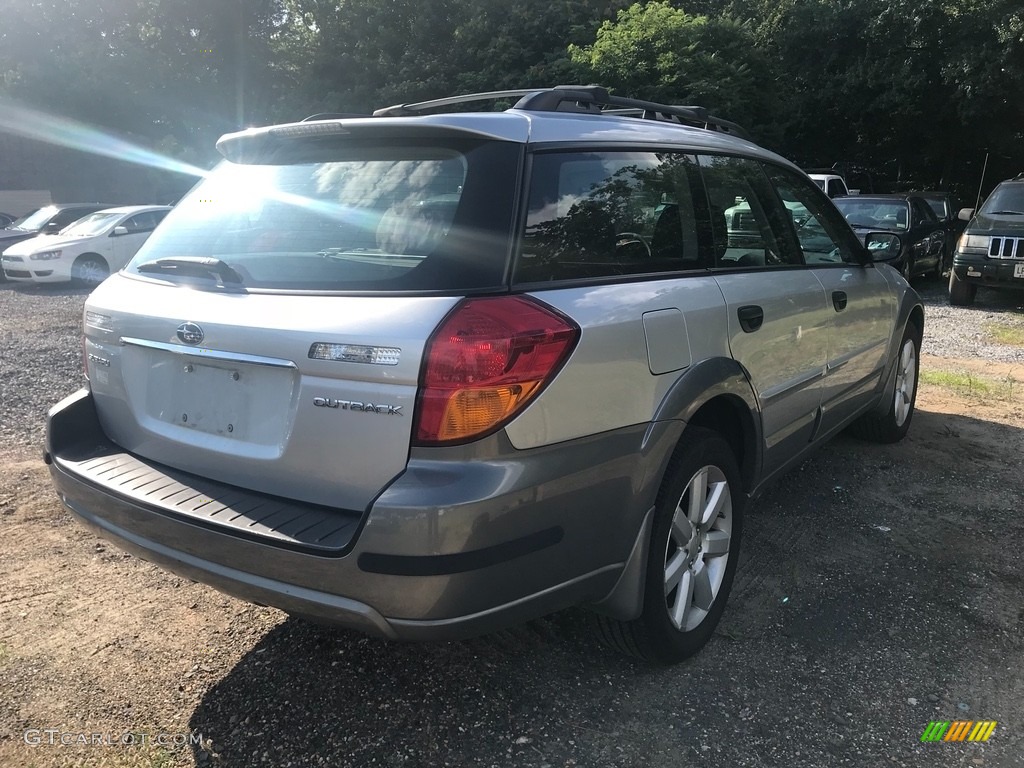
{"x":715,"y":394}
{"x":916,"y":319}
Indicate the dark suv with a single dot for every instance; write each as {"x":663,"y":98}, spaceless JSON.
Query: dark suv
{"x":991,"y":250}
{"x":428,"y":374}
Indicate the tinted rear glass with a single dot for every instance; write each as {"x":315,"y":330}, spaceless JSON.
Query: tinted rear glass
{"x":350,"y":218}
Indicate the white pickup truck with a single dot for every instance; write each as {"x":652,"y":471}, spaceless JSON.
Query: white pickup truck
{"x":830,"y":183}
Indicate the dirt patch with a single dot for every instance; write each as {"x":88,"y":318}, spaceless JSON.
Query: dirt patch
{"x":880,"y":588}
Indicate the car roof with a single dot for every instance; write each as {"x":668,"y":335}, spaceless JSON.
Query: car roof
{"x":69,"y":206}
{"x":126,"y":209}
{"x":579,"y":115}
{"x":884,"y":198}
{"x":518,"y":126}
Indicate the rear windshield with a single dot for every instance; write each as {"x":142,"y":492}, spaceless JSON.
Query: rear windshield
{"x":347,"y":218}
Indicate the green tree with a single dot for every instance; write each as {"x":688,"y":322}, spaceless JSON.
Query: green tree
{"x":658,"y":52}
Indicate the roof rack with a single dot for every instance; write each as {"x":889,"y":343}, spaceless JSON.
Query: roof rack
{"x":333,"y":116}
{"x":588,"y":99}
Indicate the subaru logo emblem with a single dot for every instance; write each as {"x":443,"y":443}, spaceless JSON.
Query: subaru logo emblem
{"x":190,"y":333}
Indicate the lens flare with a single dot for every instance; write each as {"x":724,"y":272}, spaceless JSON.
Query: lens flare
{"x":63,"y":131}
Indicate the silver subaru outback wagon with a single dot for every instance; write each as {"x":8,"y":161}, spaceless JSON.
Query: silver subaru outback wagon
{"x":428,"y":373}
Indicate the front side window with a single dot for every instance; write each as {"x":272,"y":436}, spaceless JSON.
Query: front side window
{"x":346,"y":218}
{"x":938,"y":207}
{"x":602,"y":214}
{"x":821,"y":233}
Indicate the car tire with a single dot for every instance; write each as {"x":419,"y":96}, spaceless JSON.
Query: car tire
{"x":961,"y":292}
{"x":89,"y":270}
{"x":690,"y":568}
{"x":892,"y":426}
{"x":907,"y":270}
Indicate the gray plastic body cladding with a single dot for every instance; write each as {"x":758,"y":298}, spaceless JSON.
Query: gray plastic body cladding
{"x":713,"y":378}
{"x":594,"y":492}
{"x":908,"y":303}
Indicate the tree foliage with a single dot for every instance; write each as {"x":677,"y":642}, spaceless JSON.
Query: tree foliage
{"x":917,"y":90}
{"x":661,"y":53}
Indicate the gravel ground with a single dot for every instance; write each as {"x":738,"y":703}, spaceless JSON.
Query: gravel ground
{"x":879,"y":588}
{"x":40,"y":356}
{"x":961,"y":331}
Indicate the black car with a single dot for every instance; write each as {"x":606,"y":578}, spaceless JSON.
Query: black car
{"x":947,"y":210}
{"x":47,"y":221}
{"x":6,"y":219}
{"x":991,"y":250}
{"x":922,"y":236}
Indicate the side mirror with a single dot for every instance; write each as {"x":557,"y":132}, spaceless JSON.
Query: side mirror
{"x":882,"y":246}
{"x":966,"y":214}
{"x":52,"y":226}
{"x":121,"y":229}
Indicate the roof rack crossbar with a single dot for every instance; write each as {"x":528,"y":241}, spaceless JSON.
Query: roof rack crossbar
{"x":414,"y":108}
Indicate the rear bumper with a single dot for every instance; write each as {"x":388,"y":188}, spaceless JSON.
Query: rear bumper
{"x":984,"y":271}
{"x":466,"y":541}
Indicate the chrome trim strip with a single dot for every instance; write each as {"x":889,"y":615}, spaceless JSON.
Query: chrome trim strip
{"x":211,"y":354}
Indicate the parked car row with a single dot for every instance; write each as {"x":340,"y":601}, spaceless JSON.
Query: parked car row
{"x":983,"y":247}
{"x":81,"y":242}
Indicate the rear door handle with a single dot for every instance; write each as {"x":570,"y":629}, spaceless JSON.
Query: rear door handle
{"x":751,"y":317}
{"x":839,"y":300}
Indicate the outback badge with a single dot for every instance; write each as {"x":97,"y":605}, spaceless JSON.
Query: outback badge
{"x":353,"y":405}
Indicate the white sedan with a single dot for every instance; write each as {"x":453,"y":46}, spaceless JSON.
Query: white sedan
{"x":86,"y":251}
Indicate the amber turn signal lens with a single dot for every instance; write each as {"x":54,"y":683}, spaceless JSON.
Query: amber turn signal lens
{"x":485,"y":362}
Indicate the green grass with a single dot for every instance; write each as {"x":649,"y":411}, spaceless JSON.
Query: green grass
{"x":972,"y":384}
{"x":1004,"y":333}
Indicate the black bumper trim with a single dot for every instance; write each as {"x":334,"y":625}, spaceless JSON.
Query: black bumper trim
{"x":459,"y":562}
{"x":79,"y":449}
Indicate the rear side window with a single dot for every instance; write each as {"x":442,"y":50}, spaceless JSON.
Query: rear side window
{"x":603,"y":214}
{"x":350,"y":218}
{"x":747,"y":222}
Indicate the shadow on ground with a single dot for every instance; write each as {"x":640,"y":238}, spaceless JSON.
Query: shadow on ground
{"x":880,"y":588}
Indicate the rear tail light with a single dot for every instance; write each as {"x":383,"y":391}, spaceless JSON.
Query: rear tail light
{"x":486,"y":361}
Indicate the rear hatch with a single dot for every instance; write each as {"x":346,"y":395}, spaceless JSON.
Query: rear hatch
{"x":270,"y":334}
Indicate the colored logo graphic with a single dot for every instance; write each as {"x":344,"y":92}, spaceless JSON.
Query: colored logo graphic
{"x":958,"y":730}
